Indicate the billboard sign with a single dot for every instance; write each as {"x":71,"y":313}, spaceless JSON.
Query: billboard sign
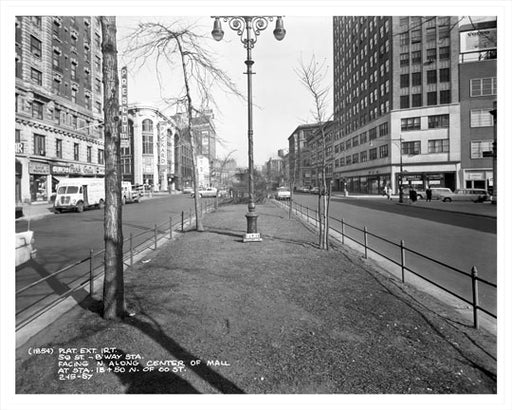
{"x":478,"y":40}
{"x":125,"y":140}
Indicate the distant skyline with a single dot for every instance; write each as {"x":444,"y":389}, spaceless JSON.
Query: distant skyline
{"x":281,"y":102}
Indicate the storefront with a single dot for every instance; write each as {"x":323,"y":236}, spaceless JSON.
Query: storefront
{"x":481,"y":179}
{"x":39,"y":174}
{"x":428,"y":179}
{"x":19,"y":174}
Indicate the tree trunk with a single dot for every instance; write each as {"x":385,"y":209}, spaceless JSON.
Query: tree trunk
{"x":327,"y":216}
{"x":320,"y":231}
{"x":195,"y":176}
{"x":113,"y":286}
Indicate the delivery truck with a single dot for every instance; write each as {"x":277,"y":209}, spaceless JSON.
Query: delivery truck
{"x":78,"y":194}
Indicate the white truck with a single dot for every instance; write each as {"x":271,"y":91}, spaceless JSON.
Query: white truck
{"x":129,"y":193}
{"x":79,"y":193}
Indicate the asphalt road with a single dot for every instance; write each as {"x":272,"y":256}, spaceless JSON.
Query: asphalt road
{"x":460,"y":241}
{"x":68,"y":237}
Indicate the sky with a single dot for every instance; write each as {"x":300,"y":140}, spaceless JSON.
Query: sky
{"x":280,"y":101}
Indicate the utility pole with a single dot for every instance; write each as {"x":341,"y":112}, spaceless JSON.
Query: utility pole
{"x":113,"y":287}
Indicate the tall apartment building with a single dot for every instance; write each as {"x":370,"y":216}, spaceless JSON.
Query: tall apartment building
{"x":396,"y":109}
{"x":299,"y":155}
{"x":206,"y":138}
{"x":478,"y":92}
{"x":59,"y":98}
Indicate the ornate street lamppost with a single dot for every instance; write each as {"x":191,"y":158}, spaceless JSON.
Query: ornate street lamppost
{"x":249,"y":28}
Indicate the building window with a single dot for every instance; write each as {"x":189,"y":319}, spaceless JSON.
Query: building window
{"x":101,"y":156}
{"x":416,"y":78}
{"x":97,"y":85}
{"x":444,"y":75}
{"x":481,"y":118}
{"x":415,"y":36}
{"x":372,"y":133}
{"x":355,"y":141}
{"x":444,"y":32}
{"x":431,"y":54}
{"x":57,"y":115}
{"x":97,"y":63}
{"x":363,"y":156}
{"x":73,"y":71}
{"x":147,"y":143}
{"x":435,"y":146}
{"x":431,"y":34}
{"x":348,"y":160}
{"x":439,"y":121}
{"x":417,"y":100}
{"x":373,"y":153}
{"x":411,"y":148}
{"x":58,"y":148}
{"x":479,"y":147}
{"x":416,"y":57}
{"x":76,"y":151}
{"x":98,"y":106}
{"x":36,"y":21}
{"x":404,"y":38}
{"x":39,"y":145}
{"x":404,"y":101}
{"x":363,"y":138}
{"x":147,"y":126}
{"x":37,"y":110}
{"x":383,"y":129}
{"x":409,"y":124}
{"x":17,"y":136}
{"x":75,"y":122}
{"x":97,"y":40}
{"x":89,"y":154}
{"x":348,"y":144}
{"x":56,"y":28}
{"x":383,"y":151}
{"x":36,"y":76}
{"x":56,"y":60}
{"x":444,"y":53}
{"x":73,"y":95}
{"x":432,"y":98}
{"x":404,"y":80}
{"x":445,"y":97}
{"x":483,"y":86}
{"x":355,"y":158}
{"x":35,"y":46}
{"x":431,"y":76}
{"x":404,"y":59}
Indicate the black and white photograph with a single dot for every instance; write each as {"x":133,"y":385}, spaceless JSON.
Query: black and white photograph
{"x":295,"y":205}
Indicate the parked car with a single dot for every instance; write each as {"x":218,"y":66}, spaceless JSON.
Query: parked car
{"x":282,"y":193}
{"x":315,"y":190}
{"x":437,"y":192}
{"x":207,"y":193}
{"x":187,"y":190}
{"x":475,"y":195}
{"x":25,"y":249}
{"x":420,"y":193}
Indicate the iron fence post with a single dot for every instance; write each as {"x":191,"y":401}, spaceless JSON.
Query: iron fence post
{"x":343,"y":231}
{"x":131,"y":248}
{"x":170,"y":227}
{"x":402,"y":260}
{"x":182,"y":221}
{"x":365,"y":242}
{"x":307,"y":214}
{"x":474,"y":280}
{"x":91,"y":278}
{"x":190,"y":216}
{"x":155,"y":237}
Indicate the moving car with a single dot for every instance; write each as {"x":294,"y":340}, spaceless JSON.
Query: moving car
{"x":129,"y":193}
{"x":283,"y":193}
{"x":79,"y":194}
{"x":475,"y":195}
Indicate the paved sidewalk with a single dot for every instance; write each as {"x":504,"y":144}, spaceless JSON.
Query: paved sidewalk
{"x":280,"y":316}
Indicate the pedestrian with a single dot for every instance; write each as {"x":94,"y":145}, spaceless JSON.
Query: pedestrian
{"x":387,"y":190}
{"x":414,"y":195}
{"x":428,"y":192}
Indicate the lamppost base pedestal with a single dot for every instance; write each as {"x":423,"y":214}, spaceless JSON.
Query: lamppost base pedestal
{"x":252,"y":234}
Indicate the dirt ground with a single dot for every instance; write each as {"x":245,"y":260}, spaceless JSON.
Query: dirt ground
{"x":215,"y":315}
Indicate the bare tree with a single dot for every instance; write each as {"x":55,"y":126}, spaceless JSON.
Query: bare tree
{"x":168,"y":42}
{"x":113,"y":285}
{"x":312,"y":76}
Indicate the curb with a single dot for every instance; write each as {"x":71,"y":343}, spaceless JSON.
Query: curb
{"x":451,"y":211}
